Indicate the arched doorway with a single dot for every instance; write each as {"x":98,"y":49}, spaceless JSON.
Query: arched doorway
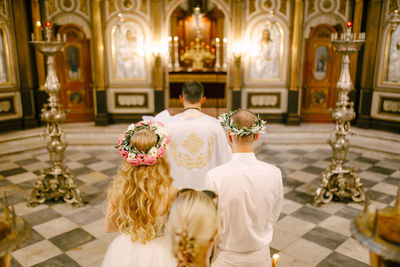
{"x":321,"y":72}
{"x":198,"y":48}
{"x":73,"y":70}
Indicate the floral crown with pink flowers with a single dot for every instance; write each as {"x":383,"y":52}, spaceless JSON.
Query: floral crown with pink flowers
{"x":143,"y":158}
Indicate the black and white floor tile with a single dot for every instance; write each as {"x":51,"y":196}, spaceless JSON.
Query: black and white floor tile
{"x":304,"y":235}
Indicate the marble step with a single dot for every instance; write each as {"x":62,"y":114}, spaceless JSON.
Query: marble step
{"x":84,"y":134}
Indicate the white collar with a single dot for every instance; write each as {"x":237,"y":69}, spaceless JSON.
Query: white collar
{"x":249,"y":155}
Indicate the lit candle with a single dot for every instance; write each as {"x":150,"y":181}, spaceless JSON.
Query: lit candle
{"x":176,"y":39}
{"x":48,"y":24}
{"x":349,"y":24}
{"x":225,"y":40}
{"x":37,"y":31}
{"x":217,"y":40}
{"x":275,"y":258}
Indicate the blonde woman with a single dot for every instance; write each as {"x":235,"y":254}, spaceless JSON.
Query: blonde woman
{"x":192,"y":225}
{"x":139,"y":200}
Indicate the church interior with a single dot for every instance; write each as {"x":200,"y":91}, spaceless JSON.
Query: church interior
{"x":310,"y":68}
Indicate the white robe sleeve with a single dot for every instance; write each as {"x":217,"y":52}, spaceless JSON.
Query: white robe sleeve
{"x":279,"y":201}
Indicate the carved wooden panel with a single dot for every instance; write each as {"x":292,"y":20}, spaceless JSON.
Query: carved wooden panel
{"x":320,"y":75}
{"x":73,"y":68}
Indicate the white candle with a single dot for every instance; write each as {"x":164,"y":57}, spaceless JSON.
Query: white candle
{"x":58,"y":37}
{"x":224,"y":63}
{"x":33,"y":36}
{"x":217,"y":51}
{"x":169,"y":52}
{"x":176,"y":65}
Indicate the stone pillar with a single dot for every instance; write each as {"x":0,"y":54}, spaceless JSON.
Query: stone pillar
{"x":357,"y":20}
{"x":237,"y":24}
{"x":25,"y":52}
{"x":100,"y":94}
{"x":40,"y":67}
{"x":293,"y":113}
{"x":368,"y":62}
{"x":158,"y":84}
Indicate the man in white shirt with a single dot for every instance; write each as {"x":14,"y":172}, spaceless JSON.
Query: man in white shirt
{"x":198,"y":141}
{"x":250,"y":196}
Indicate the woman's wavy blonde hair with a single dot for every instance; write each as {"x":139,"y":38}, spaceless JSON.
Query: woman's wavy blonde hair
{"x":192,"y":225}
{"x":141,"y":195}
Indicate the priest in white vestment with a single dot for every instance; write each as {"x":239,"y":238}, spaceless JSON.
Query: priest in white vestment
{"x":198,"y":141}
{"x":250,"y":197}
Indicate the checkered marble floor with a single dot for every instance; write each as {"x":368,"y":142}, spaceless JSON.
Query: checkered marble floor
{"x":304,"y":235}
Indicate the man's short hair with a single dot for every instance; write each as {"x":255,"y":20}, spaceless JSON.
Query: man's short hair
{"x":244,"y":118}
{"x":192,"y":91}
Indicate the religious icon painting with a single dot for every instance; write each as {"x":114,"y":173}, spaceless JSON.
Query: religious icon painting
{"x":320,"y":63}
{"x":76,"y":98}
{"x":73,"y":57}
{"x":266,"y":52}
{"x":127,"y":49}
{"x":391,"y":66}
{"x":5,"y":74}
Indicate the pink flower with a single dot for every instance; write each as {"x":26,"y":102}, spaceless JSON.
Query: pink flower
{"x":121,"y":139}
{"x":161,"y":124}
{"x":134,"y":161}
{"x":139,"y":124}
{"x":141,"y":157}
{"x":167,"y":139}
{"x":150,"y":123}
{"x":123,"y":153}
{"x":149,"y":160}
{"x":161,"y":152}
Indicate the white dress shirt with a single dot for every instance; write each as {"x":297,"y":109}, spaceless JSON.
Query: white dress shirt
{"x":198,"y":144}
{"x":250,"y":197}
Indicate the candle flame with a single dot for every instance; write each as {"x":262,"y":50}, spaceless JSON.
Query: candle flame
{"x":38,"y":24}
{"x":275,"y":256}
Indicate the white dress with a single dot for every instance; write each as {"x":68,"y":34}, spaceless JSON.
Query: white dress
{"x":122,"y":252}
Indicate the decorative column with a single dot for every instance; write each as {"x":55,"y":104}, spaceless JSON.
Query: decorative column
{"x":368,"y":62}
{"x":156,"y":15}
{"x":37,"y":31}
{"x":237,"y":23}
{"x":56,"y":182}
{"x":100,"y":98}
{"x":24,"y":61}
{"x":337,"y":180}
{"x":293,"y":116}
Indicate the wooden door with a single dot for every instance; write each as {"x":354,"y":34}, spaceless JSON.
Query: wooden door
{"x":321,"y":73}
{"x":73,"y":69}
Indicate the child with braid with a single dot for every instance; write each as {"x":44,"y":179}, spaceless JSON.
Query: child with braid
{"x":192,"y":225}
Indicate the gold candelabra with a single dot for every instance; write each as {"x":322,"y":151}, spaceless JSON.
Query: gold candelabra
{"x":337,"y":180}
{"x":56,"y":182}
{"x":13,"y":232}
{"x":379,"y":230}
